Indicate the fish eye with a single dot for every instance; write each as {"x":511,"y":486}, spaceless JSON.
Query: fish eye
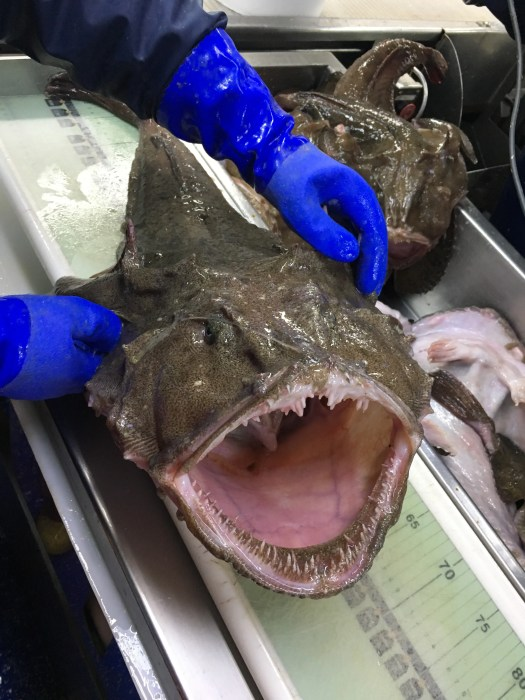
{"x":209,"y":333}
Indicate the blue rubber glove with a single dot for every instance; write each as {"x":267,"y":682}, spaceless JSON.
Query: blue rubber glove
{"x":51,"y":346}
{"x":216,"y":98}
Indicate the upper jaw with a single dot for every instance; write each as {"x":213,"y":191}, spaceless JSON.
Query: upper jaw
{"x":293,"y":562}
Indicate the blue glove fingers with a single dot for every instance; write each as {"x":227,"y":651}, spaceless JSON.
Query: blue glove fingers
{"x":309,"y":179}
{"x":357,"y":202}
{"x":66,"y":339}
{"x":93,"y":328}
{"x":307,"y":218}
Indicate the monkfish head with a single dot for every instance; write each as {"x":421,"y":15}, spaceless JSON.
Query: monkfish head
{"x":285,"y":458}
{"x":260,"y":390}
{"x":420,"y":191}
{"x":415,"y":165}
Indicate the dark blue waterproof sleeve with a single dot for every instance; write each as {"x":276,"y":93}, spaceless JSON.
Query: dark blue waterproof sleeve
{"x":126,"y":49}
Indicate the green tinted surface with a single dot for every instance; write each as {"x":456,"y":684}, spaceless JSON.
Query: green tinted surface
{"x":419,"y":625}
{"x":73,"y":162}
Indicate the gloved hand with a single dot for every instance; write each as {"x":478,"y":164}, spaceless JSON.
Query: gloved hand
{"x":217,"y":99}
{"x":51,"y":346}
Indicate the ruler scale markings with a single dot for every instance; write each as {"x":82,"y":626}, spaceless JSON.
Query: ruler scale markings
{"x":451,"y":632}
{"x":480,"y":678}
{"x":423,"y":603}
{"x":472,"y":668}
{"x":407,"y":534}
{"x":454,"y":608}
{"x":507,"y":691}
{"x":406,"y":597}
{"x":471,"y":614}
{"x":507,"y":660}
{"x":398,"y":665}
{"x":407,"y":521}
{"x":511,"y":673}
{"x":518,"y":646}
{"x":413,"y":593}
{"x":412,"y":524}
{"x":461,"y":573}
{"x":418,"y":590}
{"x":452,"y":648}
{"x":412,"y":535}
{"x":407,"y":575}
{"x":472,"y":630}
{"x":409,"y":649}
{"x":505,"y":674}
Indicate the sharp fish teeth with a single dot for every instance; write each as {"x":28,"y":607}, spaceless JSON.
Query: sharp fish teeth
{"x":334,"y":397}
{"x":299,"y":406}
{"x":265,"y":430}
{"x":362,"y":403}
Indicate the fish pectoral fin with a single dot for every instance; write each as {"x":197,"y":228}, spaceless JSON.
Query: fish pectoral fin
{"x":456,"y":398}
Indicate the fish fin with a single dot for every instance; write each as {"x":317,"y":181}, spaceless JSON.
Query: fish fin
{"x":452,"y":131}
{"x":61,"y":87}
{"x":373,"y":76}
{"x":427,"y":272}
{"x":130,"y":256}
{"x":508,"y":465}
{"x":456,"y":398}
{"x":68,"y":285}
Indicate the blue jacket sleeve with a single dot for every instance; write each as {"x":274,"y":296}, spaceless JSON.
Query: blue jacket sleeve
{"x":126,"y":49}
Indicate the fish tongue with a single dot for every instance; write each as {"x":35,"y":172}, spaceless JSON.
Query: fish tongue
{"x":265,"y":429}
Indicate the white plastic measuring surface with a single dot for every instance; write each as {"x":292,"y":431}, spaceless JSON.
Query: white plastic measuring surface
{"x":434,"y":618}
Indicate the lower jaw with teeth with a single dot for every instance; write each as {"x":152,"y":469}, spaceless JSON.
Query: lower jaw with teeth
{"x":302,"y":504}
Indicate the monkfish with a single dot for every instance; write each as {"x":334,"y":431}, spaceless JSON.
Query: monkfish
{"x":481,"y":350}
{"x":477,"y":421}
{"x":415,"y":165}
{"x":258,"y":388}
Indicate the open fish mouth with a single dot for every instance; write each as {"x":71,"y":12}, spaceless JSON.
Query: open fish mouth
{"x":299,"y":490}
{"x":406,"y":246}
